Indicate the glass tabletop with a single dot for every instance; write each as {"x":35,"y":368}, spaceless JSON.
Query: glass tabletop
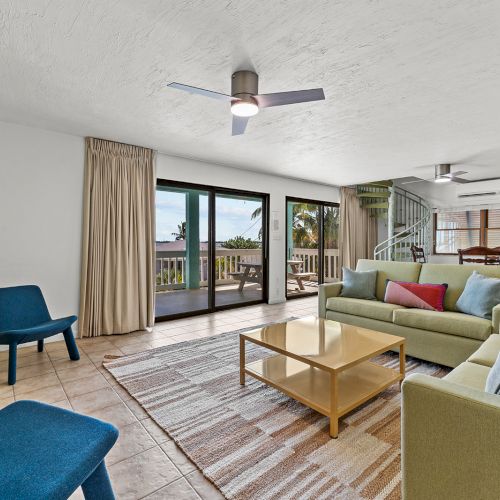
{"x":323,"y":343}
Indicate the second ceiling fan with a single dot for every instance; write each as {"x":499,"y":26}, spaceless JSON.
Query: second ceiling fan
{"x":245,"y":98}
{"x":443,"y":173}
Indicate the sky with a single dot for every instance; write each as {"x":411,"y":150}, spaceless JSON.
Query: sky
{"x":233,"y":216}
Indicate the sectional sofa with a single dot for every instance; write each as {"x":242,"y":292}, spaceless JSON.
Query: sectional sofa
{"x":450,"y":432}
{"x":447,"y":338}
{"x":450,"y":427}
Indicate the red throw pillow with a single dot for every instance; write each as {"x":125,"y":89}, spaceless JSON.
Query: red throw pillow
{"x":418,"y":295}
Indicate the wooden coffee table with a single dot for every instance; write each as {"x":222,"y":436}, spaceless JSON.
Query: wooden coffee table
{"x":323,"y":364}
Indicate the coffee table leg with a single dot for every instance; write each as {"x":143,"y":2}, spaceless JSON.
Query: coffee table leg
{"x":242,"y":361}
{"x":334,"y":420}
{"x":402,"y":363}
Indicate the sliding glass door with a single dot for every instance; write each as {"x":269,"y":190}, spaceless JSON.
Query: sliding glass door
{"x":182,"y":247}
{"x":330,"y":243}
{"x":239,"y":258}
{"x":312,"y":246}
{"x":210,"y":249}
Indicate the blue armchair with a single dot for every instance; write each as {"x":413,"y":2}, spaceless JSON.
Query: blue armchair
{"x":24,"y":317}
{"x":48,"y":452}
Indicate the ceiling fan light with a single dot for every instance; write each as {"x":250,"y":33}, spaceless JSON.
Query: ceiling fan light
{"x":244,"y":108}
{"x":442,"y":179}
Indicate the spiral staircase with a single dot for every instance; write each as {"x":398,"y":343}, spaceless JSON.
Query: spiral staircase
{"x":408,"y":219}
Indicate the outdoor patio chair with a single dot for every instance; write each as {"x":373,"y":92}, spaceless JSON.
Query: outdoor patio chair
{"x":24,"y":317}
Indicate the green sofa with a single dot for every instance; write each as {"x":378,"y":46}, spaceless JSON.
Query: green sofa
{"x":447,"y":338}
{"x":450,"y":432}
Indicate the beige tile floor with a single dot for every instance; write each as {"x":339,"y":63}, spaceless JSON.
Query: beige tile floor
{"x":145,"y":462}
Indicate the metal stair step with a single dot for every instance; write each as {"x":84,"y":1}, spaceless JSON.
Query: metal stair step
{"x":376,"y":205}
{"x":374,"y":194}
{"x":378,"y":184}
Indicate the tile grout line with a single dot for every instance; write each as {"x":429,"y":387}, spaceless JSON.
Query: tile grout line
{"x":168,"y":484}
{"x":60,"y":381}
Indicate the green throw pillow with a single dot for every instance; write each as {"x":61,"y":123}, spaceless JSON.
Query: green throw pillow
{"x":358,"y":284}
{"x":481,"y":294}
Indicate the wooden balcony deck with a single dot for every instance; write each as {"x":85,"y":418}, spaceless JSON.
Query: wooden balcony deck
{"x":183,"y":301}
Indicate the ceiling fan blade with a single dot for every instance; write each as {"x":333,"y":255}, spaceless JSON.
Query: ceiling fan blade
{"x":239,"y":124}
{"x":204,"y":92}
{"x":459,"y":180}
{"x":292,"y":97}
{"x":414,"y":182}
{"x":460,"y":172}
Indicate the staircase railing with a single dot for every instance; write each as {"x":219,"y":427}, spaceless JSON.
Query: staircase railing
{"x":412,"y":214}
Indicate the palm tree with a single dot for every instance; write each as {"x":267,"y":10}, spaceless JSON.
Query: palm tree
{"x":331,"y":227}
{"x":305,"y":225}
{"x":255,"y":214}
{"x":181,"y":234}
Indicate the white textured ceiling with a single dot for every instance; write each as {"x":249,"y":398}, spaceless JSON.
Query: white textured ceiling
{"x":406,"y":83}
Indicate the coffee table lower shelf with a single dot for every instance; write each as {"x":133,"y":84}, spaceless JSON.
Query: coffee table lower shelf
{"x":318,"y":389}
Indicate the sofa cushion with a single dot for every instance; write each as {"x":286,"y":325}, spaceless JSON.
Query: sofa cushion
{"x":481,"y":294}
{"x":389,"y":270}
{"x":469,"y":375}
{"x":488,"y":352}
{"x":418,"y":295}
{"x":456,"y":276}
{"x":360,"y":307}
{"x":453,"y":323}
{"x":358,"y":284}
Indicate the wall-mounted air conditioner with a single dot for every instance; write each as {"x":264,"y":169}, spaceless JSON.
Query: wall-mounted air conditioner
{"x":480,"y":192}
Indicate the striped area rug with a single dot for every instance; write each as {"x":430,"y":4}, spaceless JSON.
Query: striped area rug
{"x":253,"y":442}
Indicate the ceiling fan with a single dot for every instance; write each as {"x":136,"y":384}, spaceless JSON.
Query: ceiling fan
{"x":245,"y":98}
{"x":443,"y":173}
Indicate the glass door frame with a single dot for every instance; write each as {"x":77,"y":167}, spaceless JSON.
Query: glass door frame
{"x":213,"y":191}
{"x":321,"y":238}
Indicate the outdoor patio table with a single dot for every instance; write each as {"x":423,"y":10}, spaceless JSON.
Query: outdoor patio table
{"x":251,"y":272}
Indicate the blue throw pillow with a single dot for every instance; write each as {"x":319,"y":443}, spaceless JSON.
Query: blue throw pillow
{"x":481,"y":294}
{"x":493,"y":380}
{"x":359,"y":284}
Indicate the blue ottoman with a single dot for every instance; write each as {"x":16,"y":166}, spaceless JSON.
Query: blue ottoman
{"x":47,"y":453}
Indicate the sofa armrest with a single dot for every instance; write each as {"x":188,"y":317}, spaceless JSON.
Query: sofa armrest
{"x":450,"y":440}
{"x":325,"y":292}
{"x":496,"y":319}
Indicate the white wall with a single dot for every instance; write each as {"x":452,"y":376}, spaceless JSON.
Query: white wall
{"x":41,"y":183}
{"x":185,"y":170}
{"x":41,"y":177}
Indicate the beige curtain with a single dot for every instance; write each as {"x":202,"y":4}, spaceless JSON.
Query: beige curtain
{"x":358,"y":231}
{"x":117,"y":275}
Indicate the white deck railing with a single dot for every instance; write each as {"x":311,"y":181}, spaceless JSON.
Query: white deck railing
{"x":171,"y":265}
{"x":310,"y":259}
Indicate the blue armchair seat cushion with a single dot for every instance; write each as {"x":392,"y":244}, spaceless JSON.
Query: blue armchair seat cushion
{"x":48,"y":452}
{"x":40,"y":331}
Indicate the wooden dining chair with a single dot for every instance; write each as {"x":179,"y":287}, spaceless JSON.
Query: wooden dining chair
{"x":479,"y":255}
{"x":418,"y":254}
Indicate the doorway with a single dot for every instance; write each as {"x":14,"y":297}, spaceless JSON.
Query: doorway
{"x":211,"y":249}
{"x":312,"y":255}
